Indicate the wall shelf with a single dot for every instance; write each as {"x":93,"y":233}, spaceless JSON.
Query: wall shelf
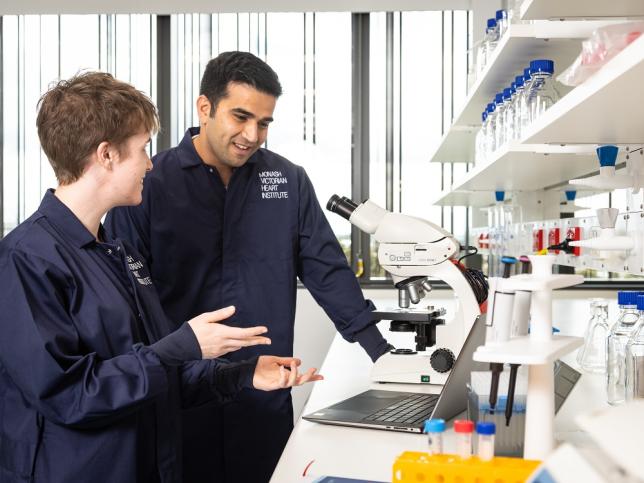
{"x":520,"y":167}
{"x":559,"y":41}
{"x":578,"y":9}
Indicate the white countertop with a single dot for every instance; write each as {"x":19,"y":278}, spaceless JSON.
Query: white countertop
{"x":369,"y":454}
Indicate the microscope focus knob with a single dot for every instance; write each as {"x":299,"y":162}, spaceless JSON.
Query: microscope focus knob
{"x":442,"y":360}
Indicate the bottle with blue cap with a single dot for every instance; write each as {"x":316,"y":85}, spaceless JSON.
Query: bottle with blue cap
{"x":479,"y":141}
{"x":635,"y":359}
{"x":434,"y":428}
{"x":485,"y":440}
{"x":487,"y":46}
{"x":498,"y":121}
{"x":543,"y":93}
{"x":501,"y":17}
{"x":508,"y":121}
{"x":516,"y":104}
{"x":630,"y":313}
{"x":523,"y":114}
{"x":489,"y":128}
{"x":499,"y":128}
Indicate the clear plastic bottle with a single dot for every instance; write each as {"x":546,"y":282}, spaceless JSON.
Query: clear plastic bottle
{"x":524,"y":113}
{"x":634,"y":353}
{"x":617,"y":340}
{"x":501,"y":18}
{"x":592,"y":355}
{"x":543,"y":93}
{"x":463,"y":429}
{"x":434,"y":428}
{"x":508,"y":122}
{"x":485,"y":440}
{"x":499,"y":128}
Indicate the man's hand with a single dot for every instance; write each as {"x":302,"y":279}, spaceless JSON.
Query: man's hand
{"x":217,"y":339}
{"x":281,"y":372}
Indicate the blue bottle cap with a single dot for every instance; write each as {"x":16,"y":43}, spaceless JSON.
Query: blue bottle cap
{"x":499,"y":195}
{"x":526,"y":74}
{"x":542,"y":65}
{"x":513,"y":87}
{"x":484,"y":115}
{"x":518,"y":81}
{"x":627,"y":297}
{"x":485,"y":427}
{"x":640,"y":302}
{"x":607,"y":155}
{"x":434,"y":426}
{"x":510,"y":260}
{"x":498,"y":99}
{"x":571,"y":195}
{"x":491,"y":23}
{"x":490,"y":107}
{"x":501,"y":14}
{"x":507,"y":93}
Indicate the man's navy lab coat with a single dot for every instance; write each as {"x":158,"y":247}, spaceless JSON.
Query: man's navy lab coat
{"x":245,"y":245}
{"x":84,"y":397}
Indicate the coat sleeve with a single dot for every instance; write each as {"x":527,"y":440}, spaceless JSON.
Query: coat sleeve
{"x":214,"y":380}
{"x":323,"y":269}
{"x":44,"y":355}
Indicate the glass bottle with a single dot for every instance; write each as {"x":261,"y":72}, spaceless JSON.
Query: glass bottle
{"x":617,"y":340}
{"x":592,"y":355}
{"x":508,"y":122}
{"x":489,"y":129}
{"x":479,"y":142}
{"x":516,"y":105}
{"x":543,"y":93}
{"x":498,"y":121}
{"x":635,"y":358}
{"x":499,"y":129}
{"x":501,"y":18}
{"x":523,"y":121}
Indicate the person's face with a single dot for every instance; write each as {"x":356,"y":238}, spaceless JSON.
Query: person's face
{"x":131,"y":165}
{"x":239,"y":125}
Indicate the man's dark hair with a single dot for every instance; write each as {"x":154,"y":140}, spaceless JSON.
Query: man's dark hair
{"x":241,"y":67}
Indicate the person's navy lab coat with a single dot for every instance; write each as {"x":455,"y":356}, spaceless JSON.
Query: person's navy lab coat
{"x":245,"y":245}
{"x":90,"y":389}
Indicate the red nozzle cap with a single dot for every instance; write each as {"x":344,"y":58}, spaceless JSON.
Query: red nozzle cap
{"x":463,"y":426}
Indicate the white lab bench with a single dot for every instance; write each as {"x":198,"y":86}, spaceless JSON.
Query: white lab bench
{"x":369,"y":454}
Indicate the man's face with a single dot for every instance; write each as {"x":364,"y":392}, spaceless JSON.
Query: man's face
{"x":239,"y":125}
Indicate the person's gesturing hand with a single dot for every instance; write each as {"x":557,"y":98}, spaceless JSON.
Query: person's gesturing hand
{"x":274,"y":372}
{"x":217,"y":339}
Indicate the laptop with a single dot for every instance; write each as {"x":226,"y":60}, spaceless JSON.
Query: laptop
{"x":404,"y":411}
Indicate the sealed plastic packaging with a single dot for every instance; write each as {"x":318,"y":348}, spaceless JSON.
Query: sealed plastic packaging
{"x":604,"y":44}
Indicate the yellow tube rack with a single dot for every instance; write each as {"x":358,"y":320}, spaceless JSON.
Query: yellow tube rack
{"x":415,"y":467}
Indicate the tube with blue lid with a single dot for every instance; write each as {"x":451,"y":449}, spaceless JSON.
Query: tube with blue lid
{"x":434,"y":428}
{"x":486,"y":431}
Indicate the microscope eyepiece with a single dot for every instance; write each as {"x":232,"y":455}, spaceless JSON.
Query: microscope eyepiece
{"x":342,"y":206}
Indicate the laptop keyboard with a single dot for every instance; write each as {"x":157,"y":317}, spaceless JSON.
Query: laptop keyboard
{"x":410,"y":411}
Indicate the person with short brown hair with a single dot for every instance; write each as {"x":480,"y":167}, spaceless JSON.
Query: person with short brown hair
{"x":92,"y":375}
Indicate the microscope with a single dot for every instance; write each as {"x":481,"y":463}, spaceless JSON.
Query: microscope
{"x":414,"y":252}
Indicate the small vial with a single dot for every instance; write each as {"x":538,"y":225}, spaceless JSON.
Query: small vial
{"x":463,"y":429}
{"x":435,"y":429}
{"x":486,"y":430}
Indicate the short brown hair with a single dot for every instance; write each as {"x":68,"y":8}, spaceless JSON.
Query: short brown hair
{"x":78,"y":114}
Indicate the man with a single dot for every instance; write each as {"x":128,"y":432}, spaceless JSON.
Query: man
{"x":92,"y":376}
{"x":225,"y":222}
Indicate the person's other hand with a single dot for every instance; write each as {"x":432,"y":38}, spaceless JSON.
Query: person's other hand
{"x":217,"y":339}
{"x":274,"y":372}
